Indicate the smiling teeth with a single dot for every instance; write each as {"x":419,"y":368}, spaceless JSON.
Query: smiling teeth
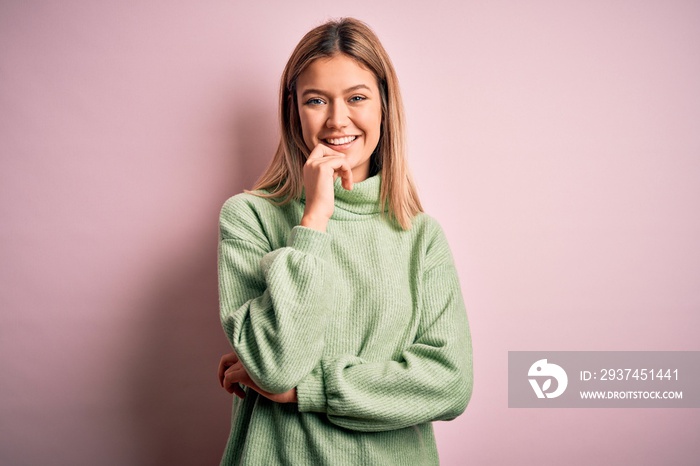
{"x":340,"y":141}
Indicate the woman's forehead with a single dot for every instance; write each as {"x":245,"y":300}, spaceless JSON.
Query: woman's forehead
{"x":338,"y":72}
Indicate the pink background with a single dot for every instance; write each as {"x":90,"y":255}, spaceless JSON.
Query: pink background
{"x":557,"y":143}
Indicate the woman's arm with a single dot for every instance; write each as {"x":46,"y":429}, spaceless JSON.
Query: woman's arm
{"x":272,"y":303}
{"x":432,"y":379}
{"x":232,"y":372}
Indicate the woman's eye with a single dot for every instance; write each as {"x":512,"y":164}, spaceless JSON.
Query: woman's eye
{"x":357,"y":98}
{"x":314,"y":101}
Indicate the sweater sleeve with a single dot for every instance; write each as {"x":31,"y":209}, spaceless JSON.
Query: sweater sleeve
{"x":272,"y":302}
{"x":431,"y":380}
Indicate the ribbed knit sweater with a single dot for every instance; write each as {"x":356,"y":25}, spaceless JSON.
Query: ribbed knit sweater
{"x":366,"y":320}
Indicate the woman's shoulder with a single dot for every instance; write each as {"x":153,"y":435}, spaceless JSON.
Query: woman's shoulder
{"x":259,"y":200}
{"x":245,"y":213}
{"x":245,"y":202}
{"x":433,"y":237}
{"x":427,"y":226}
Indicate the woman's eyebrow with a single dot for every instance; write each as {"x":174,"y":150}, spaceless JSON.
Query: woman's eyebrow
{"x":349,"y":89}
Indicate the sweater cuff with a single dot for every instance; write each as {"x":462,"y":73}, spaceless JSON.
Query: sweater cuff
{"x":309,"y":241}
{"x":311,"y":393}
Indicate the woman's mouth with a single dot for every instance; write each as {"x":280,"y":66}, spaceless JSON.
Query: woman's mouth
{"x":339,"y":143}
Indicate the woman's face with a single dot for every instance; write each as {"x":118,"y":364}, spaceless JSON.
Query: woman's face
{"x":340,"y":107}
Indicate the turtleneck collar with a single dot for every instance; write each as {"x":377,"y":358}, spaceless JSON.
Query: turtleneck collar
{"x":363,"y":199}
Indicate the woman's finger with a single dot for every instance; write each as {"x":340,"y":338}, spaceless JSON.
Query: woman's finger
{"x":236,"y":374}
{"x":321,"y":151}
{"x":345,"y":173}
{"x":227,"y":360}
{"x":340,"y":166}
{"x":230,"y":381}
{"x":234,"y":377}
{"x":238,"y":391}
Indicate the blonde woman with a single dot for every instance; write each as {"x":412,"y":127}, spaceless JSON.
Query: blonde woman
{"x":338,"y":294}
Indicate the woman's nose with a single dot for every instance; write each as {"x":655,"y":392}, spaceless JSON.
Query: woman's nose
{"x":338,"y":116}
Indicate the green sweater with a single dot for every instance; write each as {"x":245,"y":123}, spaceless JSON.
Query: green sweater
{"x":366,"y":320}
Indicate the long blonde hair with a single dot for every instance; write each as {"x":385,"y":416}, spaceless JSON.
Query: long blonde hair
{"x":283,"y":178}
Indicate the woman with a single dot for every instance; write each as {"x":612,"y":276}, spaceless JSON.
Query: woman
{"x":338,"y":294}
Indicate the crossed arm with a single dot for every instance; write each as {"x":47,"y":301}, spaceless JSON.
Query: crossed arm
{"x":274,"y":311}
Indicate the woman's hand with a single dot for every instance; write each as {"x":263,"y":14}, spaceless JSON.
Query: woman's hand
{"x":232,"y":372}
{"x":321,"y":169}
